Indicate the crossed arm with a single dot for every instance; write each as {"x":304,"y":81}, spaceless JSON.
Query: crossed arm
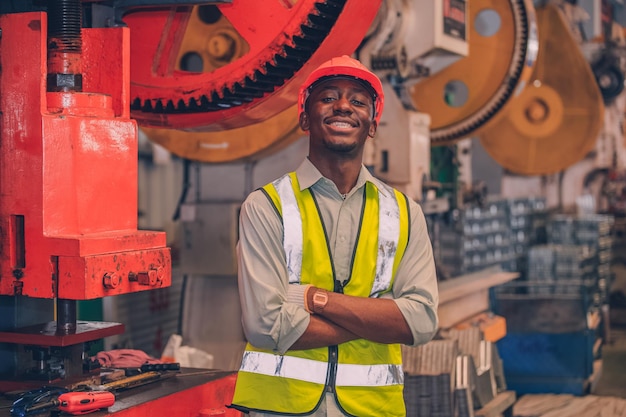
{"x":406,"y":315}
{"x":346,"y":318}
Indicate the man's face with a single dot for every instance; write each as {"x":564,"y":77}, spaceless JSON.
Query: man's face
{"x":339,"y":116}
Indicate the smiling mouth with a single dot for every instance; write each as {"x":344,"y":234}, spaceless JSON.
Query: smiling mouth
{"x":341,"y":125}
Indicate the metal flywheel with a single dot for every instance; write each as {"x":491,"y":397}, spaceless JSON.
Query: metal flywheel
{"x":259,"y":53}
{"x":470,"y":93}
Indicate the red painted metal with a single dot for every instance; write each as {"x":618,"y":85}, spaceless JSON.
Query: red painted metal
{"x":47,"y":335}
{"x":267,"y":26}
{"x":68,"y":172}
{"x":211,"y":396}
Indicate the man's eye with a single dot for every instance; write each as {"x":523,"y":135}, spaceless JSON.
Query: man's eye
{"x":358,"y":103}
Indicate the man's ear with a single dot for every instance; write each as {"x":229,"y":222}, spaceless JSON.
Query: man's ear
{"x":373,"y":126}
{"x":304,"y":121}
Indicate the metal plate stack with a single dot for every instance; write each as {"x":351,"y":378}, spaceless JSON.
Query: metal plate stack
{"x":592,"y":234}
{"x":527,"y":219}
{"x":428,"y":377}
{"x":475,"y":238}
{"x":596,"y":231}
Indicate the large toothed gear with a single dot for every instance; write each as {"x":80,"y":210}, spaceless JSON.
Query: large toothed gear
{"x":286,"y":39}
{"x":498,"y":65}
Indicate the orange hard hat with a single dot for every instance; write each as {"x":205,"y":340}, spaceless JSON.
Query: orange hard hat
{"x":346,"y":67}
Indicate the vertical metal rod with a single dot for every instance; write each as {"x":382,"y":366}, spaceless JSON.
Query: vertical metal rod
{"x":64,"y":45}
{"x":66,"y":316}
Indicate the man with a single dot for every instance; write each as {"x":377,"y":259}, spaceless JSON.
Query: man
{"x":335,"y":267}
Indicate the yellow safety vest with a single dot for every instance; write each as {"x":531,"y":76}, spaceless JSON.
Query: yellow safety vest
{"x":366,"y":377}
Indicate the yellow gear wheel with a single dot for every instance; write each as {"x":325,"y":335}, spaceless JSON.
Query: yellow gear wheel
{"x":465,"y":96}
{"x":556,"y":119}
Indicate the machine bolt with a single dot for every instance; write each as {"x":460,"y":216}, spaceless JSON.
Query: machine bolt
{"x":64,"y":82}
{"x":143,"y":278}
{"x":152,"y":277}
{"x":221,"y":47}
{"x":18,"y":273}
{"x":18,"y":287}
{"x":160,"y":274}
{"x":111,"y":280}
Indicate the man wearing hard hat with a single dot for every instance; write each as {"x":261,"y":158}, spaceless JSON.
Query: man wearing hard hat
{"x":335,"y":267}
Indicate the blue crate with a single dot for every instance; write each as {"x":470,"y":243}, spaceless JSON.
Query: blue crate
{"x":548,"y":362}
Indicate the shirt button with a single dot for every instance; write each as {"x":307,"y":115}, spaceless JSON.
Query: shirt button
{"x":342,"y":238}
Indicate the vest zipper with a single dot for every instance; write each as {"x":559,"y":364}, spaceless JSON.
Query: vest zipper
{"x":332,"y":371}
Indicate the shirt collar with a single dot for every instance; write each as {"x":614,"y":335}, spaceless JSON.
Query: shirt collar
{"x":308,"y":175}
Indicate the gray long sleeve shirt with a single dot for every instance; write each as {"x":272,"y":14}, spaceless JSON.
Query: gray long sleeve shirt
{"x":269,"y":321}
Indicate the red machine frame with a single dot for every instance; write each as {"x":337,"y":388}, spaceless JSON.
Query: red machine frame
{"x":68,"y":174}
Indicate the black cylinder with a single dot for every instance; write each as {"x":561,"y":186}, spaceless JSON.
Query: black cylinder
{"x":66,"y":316}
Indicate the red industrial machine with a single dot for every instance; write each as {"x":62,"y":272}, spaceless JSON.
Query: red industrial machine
{"x":71,"y":93}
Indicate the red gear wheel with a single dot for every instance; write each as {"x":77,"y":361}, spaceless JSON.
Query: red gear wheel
{"x":288,"y":39}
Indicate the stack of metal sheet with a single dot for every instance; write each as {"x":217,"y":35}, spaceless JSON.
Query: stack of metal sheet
{"x":541,"y":269}
{"x":428,"y":384}
{"x":591,"y":262}
{"x":561,"y":269}
{"x":484,"y":355}
{"x":464,"y":386}
{"x":475,"y":238}
{"x":497,"y":232}
{"x":527,"y":220}
{"x":596,"y":232}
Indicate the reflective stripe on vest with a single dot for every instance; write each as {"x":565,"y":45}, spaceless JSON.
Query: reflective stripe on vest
{"x":388,"y":235}
{"x":348,"y":375}
{"x":292,"y":221}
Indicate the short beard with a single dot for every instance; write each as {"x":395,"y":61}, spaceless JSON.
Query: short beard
{"x":343,"y":148}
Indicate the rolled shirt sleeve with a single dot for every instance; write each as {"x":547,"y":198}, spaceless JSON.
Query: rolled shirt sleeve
{"x":415,"y":288}
{"x":269,"y":321}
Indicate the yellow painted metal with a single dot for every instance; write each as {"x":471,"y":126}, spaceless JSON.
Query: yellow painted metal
{"x":497,"y":64}
{"x":215,"y":44}
{"x":556,"y":119}
{"x":246,"y":143}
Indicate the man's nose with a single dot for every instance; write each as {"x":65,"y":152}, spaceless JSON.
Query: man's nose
{"x":343,"y":104}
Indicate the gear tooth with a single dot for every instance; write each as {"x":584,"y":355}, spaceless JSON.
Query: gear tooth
{"x":136,"y":104}
{"x":193,"y":104}
{"x":270,"y":73}
{"x":279,"y":72}
{"x":320,"y":22}
{"x":231,"y":98}
{"x":245,"y":93}
{"x":292,"y":63}
{"x":267,"y":79}
{"x":329,"y":7}
{"x":301,"y":52}
{"x":210,"y":103}
{"x":147,"y":106}
{"x":313,"y":33}
{"x":465,"y":127}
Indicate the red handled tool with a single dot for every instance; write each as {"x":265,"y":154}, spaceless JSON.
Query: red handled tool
{"x":85,"y":402}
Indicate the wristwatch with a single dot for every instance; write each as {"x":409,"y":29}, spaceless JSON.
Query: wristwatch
{"x":320,"y":299}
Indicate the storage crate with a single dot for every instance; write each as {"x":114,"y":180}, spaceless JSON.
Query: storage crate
{"x":549,"y":342}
